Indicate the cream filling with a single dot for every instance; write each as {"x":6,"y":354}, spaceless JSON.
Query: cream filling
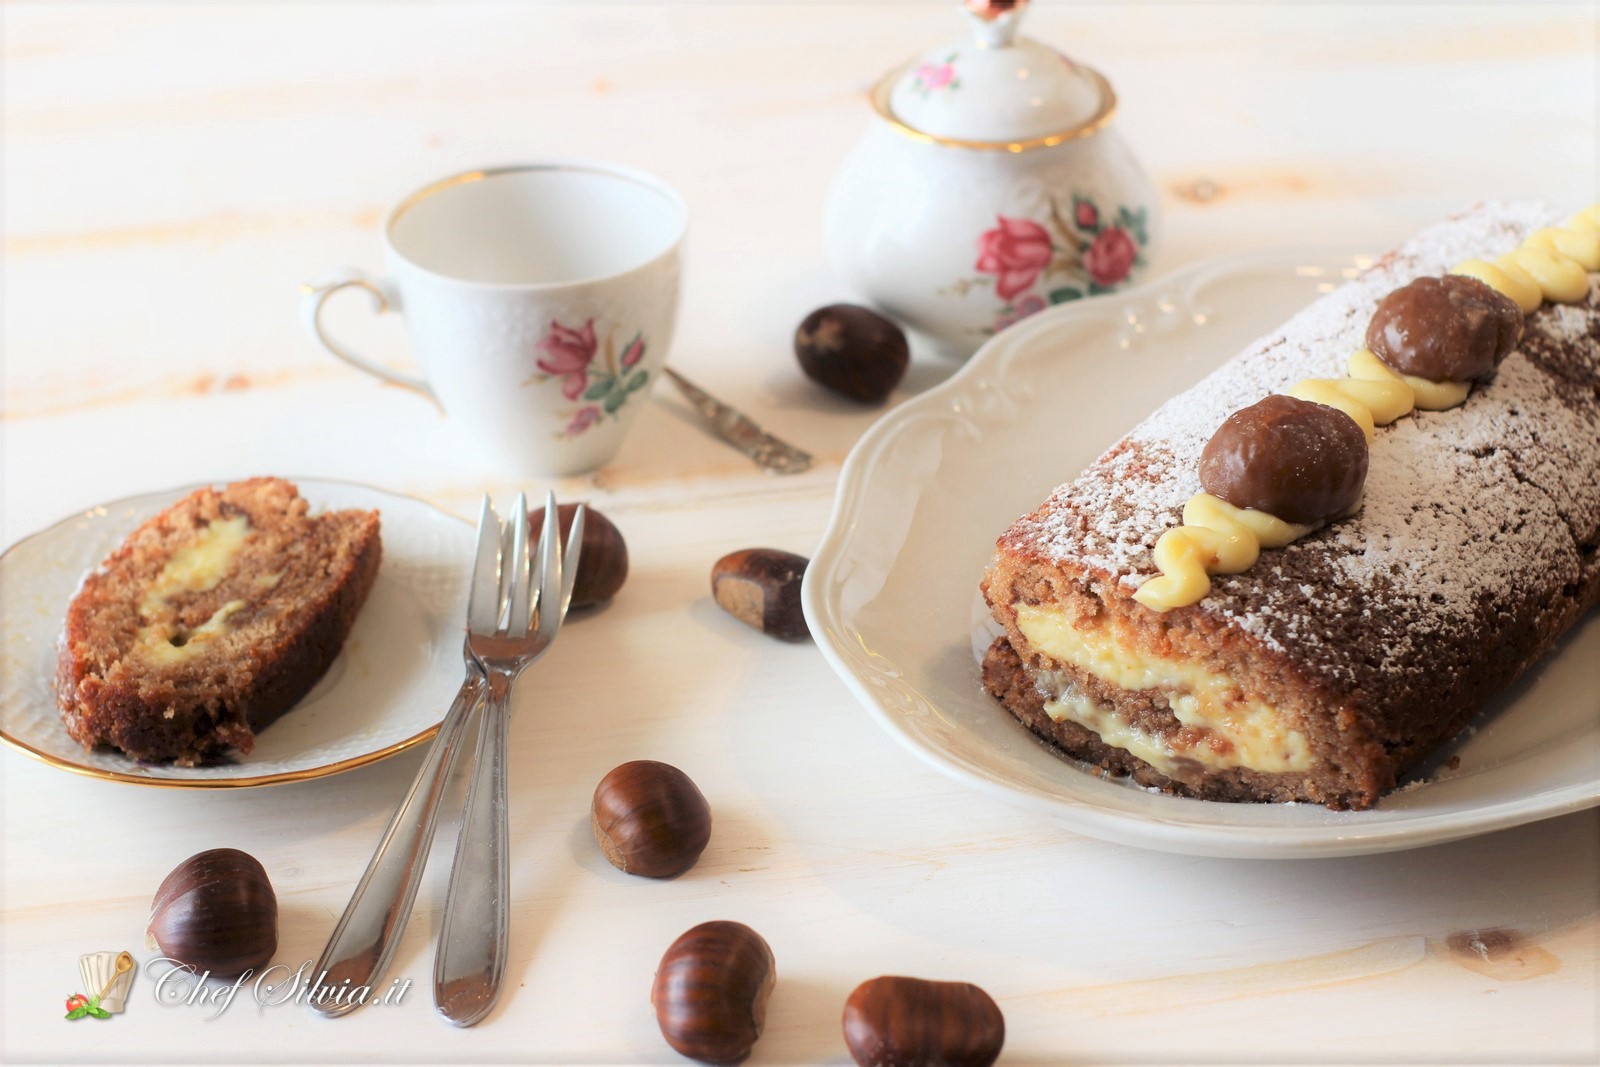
{"x":160,"y":642}
{"x":1255,"y":736}
{"x":1065,"y":702}
{"x":195,"y":568}
{"x":198,"y":567}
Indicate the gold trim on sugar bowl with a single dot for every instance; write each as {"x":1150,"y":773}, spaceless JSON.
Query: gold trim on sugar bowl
{"x":1099,"y":120}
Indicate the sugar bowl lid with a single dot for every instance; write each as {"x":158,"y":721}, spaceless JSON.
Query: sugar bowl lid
{"x":995,"y":89}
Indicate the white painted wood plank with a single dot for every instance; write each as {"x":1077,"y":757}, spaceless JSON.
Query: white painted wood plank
{"x":173,"y":172}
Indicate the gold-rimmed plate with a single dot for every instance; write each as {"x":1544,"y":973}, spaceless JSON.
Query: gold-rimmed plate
{"x":385,"y":693}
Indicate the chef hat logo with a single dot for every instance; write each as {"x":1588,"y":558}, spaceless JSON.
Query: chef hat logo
{"x":107,"y":977}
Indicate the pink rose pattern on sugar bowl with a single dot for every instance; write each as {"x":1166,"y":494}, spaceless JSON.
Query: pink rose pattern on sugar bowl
{"x":1074,"y":254}
{"x":989,"y":185}
{"x":1016,"y":252}
{"x":568,"y":355}
{"x":931,"y":77}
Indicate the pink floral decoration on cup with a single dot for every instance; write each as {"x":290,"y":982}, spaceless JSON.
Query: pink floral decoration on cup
{"x":567,"y":355}
{"x":1016,"y":251}
{"x":634,"y":352}
{"x":590,"y":372}
{"x":582,"y":419}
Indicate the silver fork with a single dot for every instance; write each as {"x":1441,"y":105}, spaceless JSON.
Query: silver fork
{"x":363,"y":942}
{"x":471,"y":960}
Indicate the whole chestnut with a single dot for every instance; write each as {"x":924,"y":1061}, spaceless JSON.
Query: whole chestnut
{"x":650,"y":819}
{"x":761,"y":588}
{"x":711,"y":990}
{"x":216,"y":912}
{"x":603,"y":559}
{"x":852,"y":350}
{"x":892,"y":1021}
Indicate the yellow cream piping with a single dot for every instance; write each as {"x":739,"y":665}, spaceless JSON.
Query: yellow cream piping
{"x":1216,"y":538}
{"x":1553,"y":264}
{"x":1425,"y":395}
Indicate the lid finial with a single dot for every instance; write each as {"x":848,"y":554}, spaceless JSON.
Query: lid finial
{"x":994,"y":22}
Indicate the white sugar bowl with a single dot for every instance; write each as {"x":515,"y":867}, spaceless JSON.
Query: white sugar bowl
{"x":989,"y":187}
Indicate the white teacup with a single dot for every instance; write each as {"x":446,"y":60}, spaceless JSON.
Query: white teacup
{"x":540,"y":299}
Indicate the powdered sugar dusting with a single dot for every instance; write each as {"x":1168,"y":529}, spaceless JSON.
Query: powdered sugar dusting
{"x":1461,"y":506}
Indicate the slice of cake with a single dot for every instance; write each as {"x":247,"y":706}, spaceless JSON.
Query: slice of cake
{"x":211,"y":620}
{"x":1321,"y":631}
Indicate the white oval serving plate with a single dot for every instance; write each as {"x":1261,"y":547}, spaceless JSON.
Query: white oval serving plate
{"x":891,"y":594}
{"x":387,"y":691}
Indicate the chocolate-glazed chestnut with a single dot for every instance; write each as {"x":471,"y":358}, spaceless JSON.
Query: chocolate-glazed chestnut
{"x":1302,"y":462}
{"x":1453,"y":329}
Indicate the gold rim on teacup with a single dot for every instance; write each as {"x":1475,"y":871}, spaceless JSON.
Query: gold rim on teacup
{"x":643,"y":179}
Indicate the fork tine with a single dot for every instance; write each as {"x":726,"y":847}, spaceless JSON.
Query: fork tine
{"x":483,"y":603}
{"x":521,"y":579}
{"x":507,"y":573}
{"x":550,"y":568}
{"x":571,"y":558}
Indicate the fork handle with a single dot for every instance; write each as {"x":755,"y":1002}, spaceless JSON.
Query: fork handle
{"x":471,"y":961}
{"x":365,"y":939}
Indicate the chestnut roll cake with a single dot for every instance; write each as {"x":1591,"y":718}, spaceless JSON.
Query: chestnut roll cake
{"x":1298,"y":578}
{"x":211,"y":620}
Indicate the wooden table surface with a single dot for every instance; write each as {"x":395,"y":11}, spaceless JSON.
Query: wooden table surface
{"x":172,"y":173}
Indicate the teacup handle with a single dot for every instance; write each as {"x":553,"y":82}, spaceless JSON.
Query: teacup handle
{"x":313,"y":296}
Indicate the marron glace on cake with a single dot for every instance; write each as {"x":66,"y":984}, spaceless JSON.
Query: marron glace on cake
{"x":1298,"y":578}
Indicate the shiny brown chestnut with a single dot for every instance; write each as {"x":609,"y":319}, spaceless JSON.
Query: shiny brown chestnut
{"x":710,"y":993}
{"x":216,"y":912}
{"x":852,"y":350}
{"x":603,"y":559}
{"x":650,"y":819}
{"x":761,"y":587}
{"x":1300,"y":461}
{"x":894,"y":1021}
{"x":1453,"y":328}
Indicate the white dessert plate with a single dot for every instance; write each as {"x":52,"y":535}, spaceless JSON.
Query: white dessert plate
{"x":387,"y":691}
{"x":891,"y":594}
